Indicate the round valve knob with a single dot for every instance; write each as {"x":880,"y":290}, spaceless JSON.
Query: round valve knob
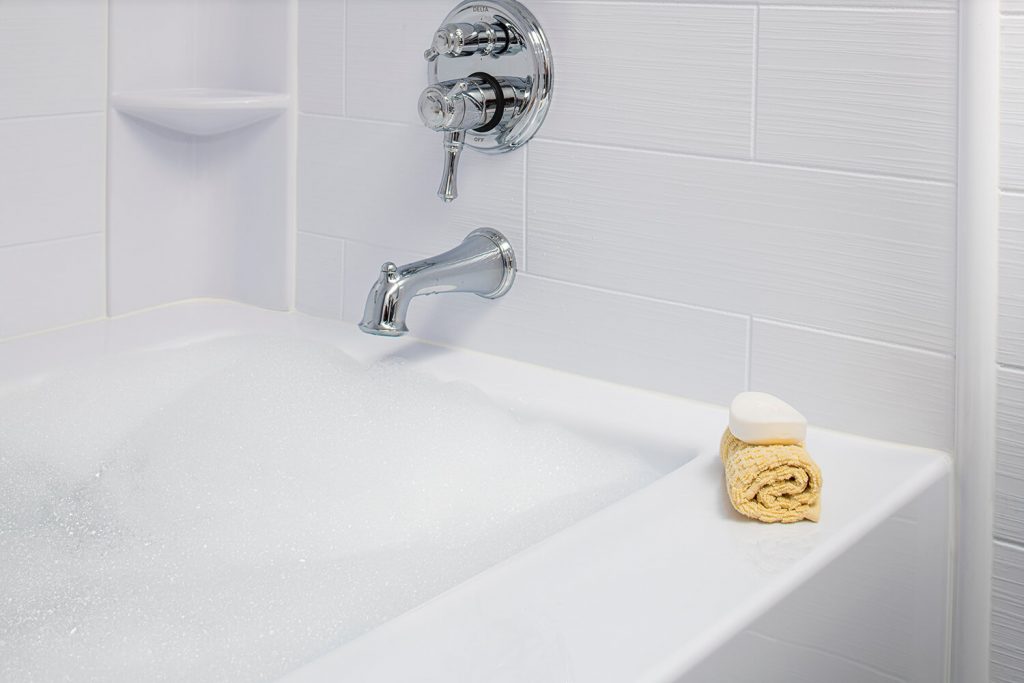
{"x":477,"y":102}
{"x":464,"y":39}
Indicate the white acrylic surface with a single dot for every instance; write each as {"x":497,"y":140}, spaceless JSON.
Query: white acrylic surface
{"x":198,"y":216}
{"x":645,"y":589}
{"x":200,"y":111}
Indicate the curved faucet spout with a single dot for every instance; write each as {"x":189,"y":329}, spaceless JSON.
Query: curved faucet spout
{"x":484,"y":264}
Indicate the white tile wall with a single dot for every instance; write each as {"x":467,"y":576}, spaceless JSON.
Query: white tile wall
{"x":378,"y":81}
{"x":399,"y":167}
{"x":319,"y":262}
{"x":791,"y":244}
{"x":322,"y":57}
{"x":1009,"y":513}
{"x":51,"y":177}
{"x":846,"y":88}
{"x":1011,"y":279}
{"x":1012,"y":96}
{"x":53,"y":57}
{"x":52,"y":163}
{"x":788,"y":163}
{"x":199,"y":216}
{"x":547,"y":322}
{"x":1008,"y":614}
{"x":906,"y":391}
{"x":49,"y":284}
{"x":1008,"y":581}
{"x":694,"y":98}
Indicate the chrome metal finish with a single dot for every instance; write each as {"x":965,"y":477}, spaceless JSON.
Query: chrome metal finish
{"x":484,"y":264}
{"x":449,"y":189}
{"x":465,"y":107}
{"x":484,"y":43}
{"x":462,"y":40}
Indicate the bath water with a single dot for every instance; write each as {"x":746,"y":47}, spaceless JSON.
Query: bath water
{"x":232,"y":509}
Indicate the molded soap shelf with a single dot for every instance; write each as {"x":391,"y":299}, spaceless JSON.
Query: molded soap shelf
{"x":200,"y":111}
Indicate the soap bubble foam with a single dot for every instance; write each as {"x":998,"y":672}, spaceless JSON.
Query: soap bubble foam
{"x":233,"y":509}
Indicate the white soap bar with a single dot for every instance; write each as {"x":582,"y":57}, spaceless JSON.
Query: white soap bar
{"x":764,"y":419}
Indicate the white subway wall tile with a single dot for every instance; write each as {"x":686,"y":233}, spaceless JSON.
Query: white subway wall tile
{"x":1008,"y":614}
{"x":52,"y":57}
{"x":140,"y":29}
{"x":882,"y":4}
{"x":383,"y":82}
{"x":160,"y":249}
{"x":1011,"y":279}
{"x":1012,"y":102}
{"x":319,"y":264}
{"x":1009,"y":508}
{"x":52,"y":177}
{"x":613,"y":86}
{"x":862,"y":90}
{"x":651,"y":344}
{"x":322,"y":56}
{"x":864,"y":256}
{"x":242,"y":44}
{"x":855,"y":385}
{"x":51,"y":284}
{"x":377,"y":183}
{"x":1007,"y":652}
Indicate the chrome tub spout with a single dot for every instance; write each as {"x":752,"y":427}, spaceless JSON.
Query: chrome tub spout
{"x":484,"y":264}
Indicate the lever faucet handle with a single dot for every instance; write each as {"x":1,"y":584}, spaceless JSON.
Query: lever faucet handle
{"x":477,"y":103}
{"x":464,"y":39}
{"x":453,"y":108}
{"x":453,"y":144}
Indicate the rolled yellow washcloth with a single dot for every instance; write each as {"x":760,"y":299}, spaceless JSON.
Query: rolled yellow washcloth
{"x":768,"y":472}
{"x":773,"y":483}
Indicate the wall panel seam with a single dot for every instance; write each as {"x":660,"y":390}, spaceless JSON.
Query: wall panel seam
{"x":683,"y":155}
{"x":1008,"y":544}
{"x":947,"y":355}
{"x":55,"y":240}
{"x":58,"y":115}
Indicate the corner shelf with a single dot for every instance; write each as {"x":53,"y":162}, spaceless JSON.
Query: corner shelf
{"x":200,"y":111}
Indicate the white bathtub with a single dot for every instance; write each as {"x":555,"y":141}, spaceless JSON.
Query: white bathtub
{"x":668,"y":584}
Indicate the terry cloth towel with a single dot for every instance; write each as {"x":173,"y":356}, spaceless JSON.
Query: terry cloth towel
{"x":773,"y":483}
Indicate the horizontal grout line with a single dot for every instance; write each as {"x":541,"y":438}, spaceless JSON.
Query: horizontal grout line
{"x":320,"y":234}
{"x":753,"y":317}
{"x":685,"y":155}
{"x":60,"y":115}
{"x":644,"y":150}
{"x":416,"y":253}
{"x":53,"y":240}
{"x":356,"y":119}
{"x":859,"y":8}
{"x":852,"y":337}
{"x":755,"y":162}
{"x":1011,"y":367}
{"x":633,"y":295}
{"x":1008,"y":543}
{"x":763,"y":4}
